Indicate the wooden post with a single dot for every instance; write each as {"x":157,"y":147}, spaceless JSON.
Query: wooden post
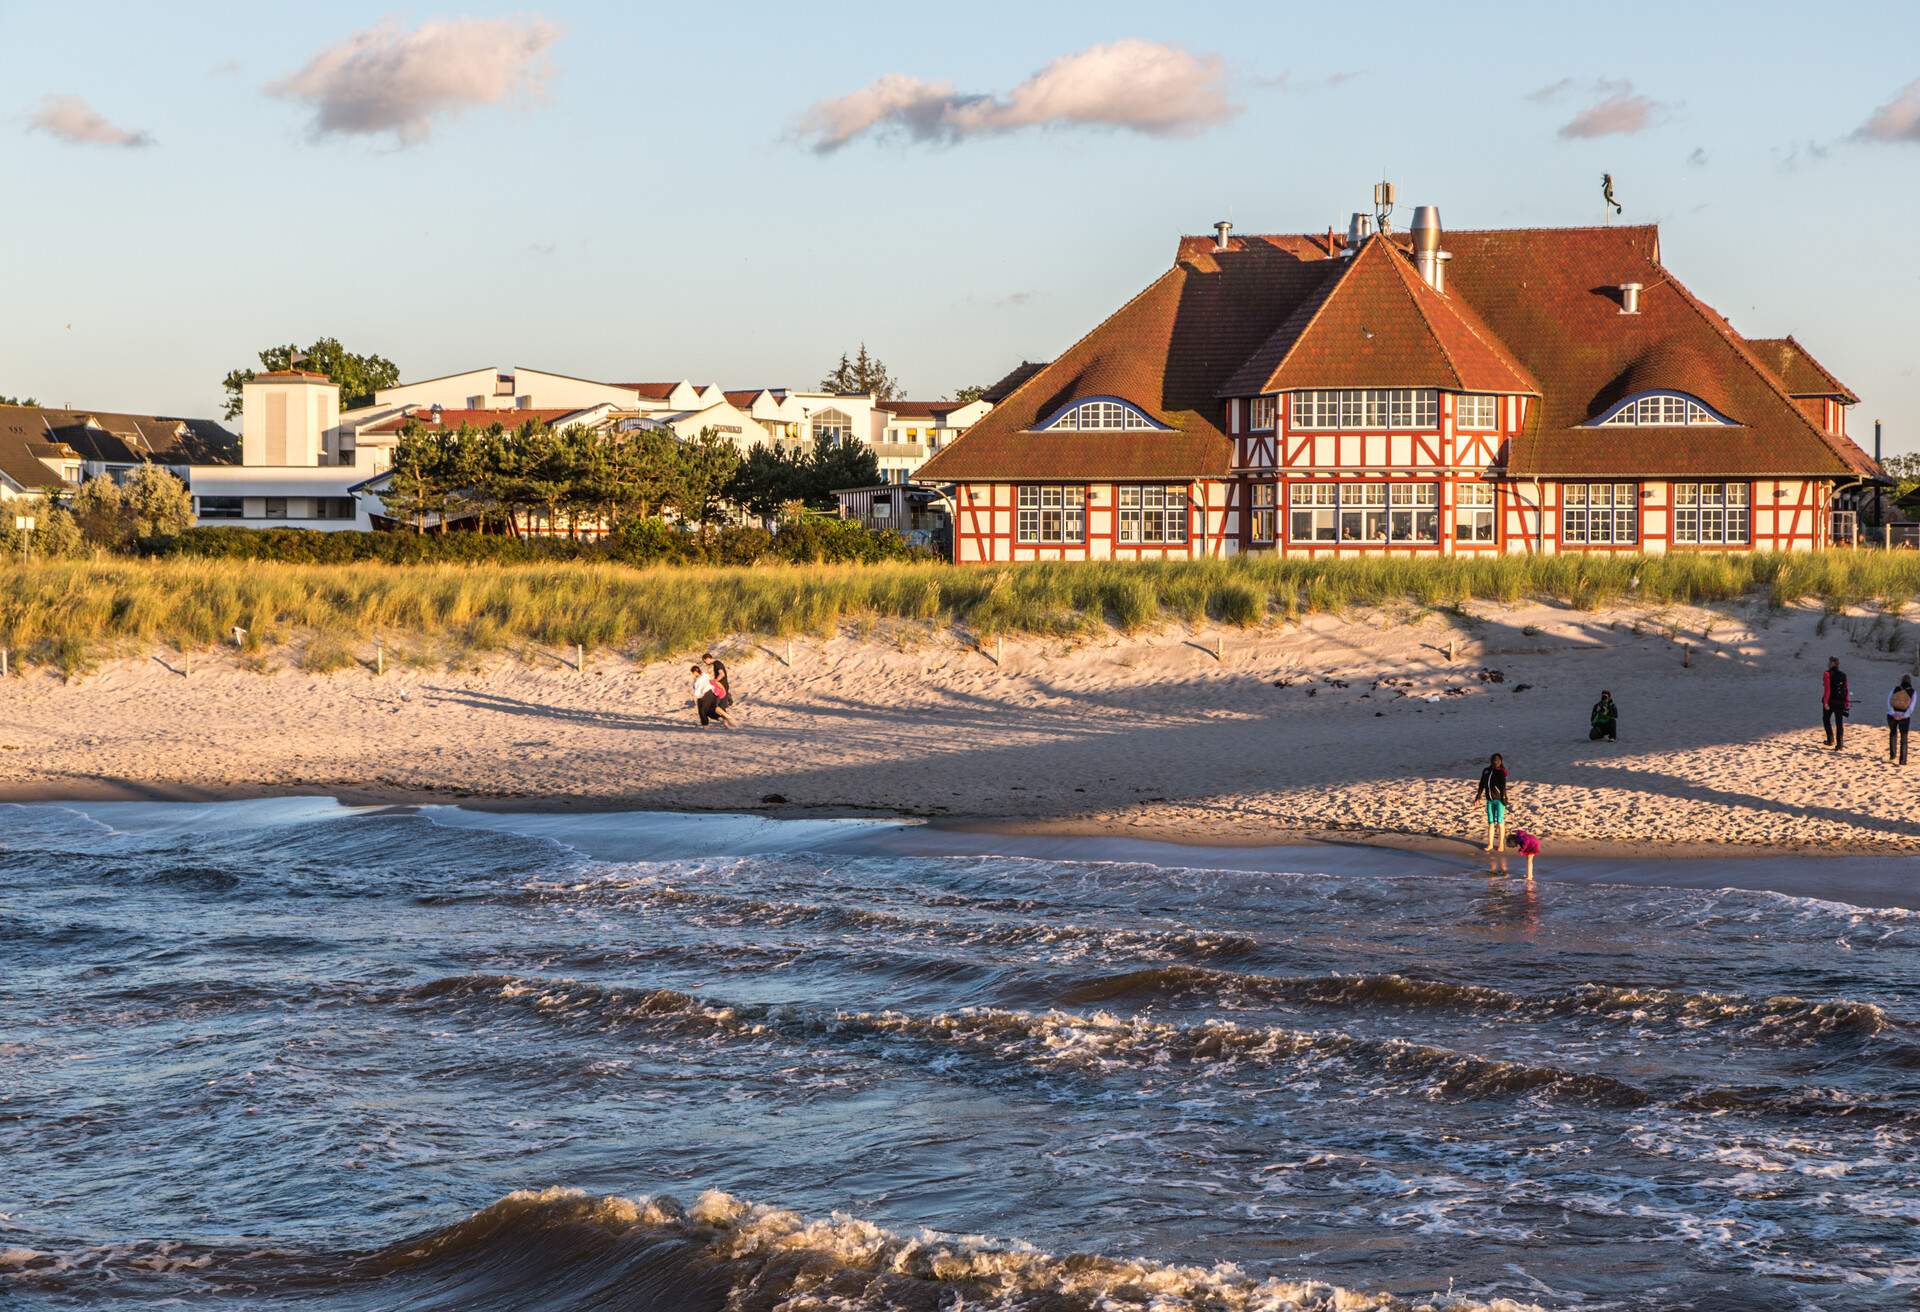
{"x":1886,"y":537}
{"x":789,"y":653}
{"x":1686,"y":654}
{"x":3,"y":662}
{"x":999,"y":651}
{"x":579,"y":658}
{"x":1449,"y":651}
{"x":1220,"y":649}
{"x":379,"y":656}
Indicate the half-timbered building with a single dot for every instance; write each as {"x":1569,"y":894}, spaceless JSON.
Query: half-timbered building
{"x":1536,"y":390}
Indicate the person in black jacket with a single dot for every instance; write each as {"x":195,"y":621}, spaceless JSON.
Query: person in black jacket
{"x":1493,"y":789}
{"x":1835,"y":704}
{"x":1605,"y":719}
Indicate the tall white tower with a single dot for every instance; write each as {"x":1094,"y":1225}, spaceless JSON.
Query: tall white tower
{"x":285,"y":417}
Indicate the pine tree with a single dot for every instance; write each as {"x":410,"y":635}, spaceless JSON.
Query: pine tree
{"x":861,"y":374}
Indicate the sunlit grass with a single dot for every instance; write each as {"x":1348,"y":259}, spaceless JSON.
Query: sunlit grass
{"x":61,"y":612}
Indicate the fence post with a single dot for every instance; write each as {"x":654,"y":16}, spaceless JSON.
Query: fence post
{"x":1886,"y":537}
{"x":999,"y":651}
{"x":579,"y":658}
{"x":1450,"y":651}
{"x":379,"y":656}
{"x":789,"y":653}
{"x":3,"y":662}
{"x":1686,"y":654}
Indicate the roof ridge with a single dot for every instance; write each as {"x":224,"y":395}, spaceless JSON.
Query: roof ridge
{"x":1338,"y":281}
{"x":1140,"y":295}
{"x":1403,"y":267}
{"x":1494,"y":344}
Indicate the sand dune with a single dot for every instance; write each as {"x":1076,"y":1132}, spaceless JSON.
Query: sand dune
{"x":1355,"y":726}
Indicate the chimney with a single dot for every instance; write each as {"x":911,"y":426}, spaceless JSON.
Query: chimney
{"x":1220,"y":231}
{"x":1428,"y":258}
{"x":1359,"y":228}
{"x":1629,"y":298}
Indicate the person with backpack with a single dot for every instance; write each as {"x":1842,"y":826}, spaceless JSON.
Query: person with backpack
{"x":1835,"y":704}
{"x":1899,"y":718}
{"x":723,"y":696}
{"x":1604,"y":719}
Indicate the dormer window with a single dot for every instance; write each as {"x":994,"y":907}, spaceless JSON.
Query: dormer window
{"x":1661,"y":410}
{"x":1103,"y":414}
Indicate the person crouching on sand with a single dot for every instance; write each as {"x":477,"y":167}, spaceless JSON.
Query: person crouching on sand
{"x":1493,"y":789}
{"x":1604,"y":720}
{"x":705,"y":700}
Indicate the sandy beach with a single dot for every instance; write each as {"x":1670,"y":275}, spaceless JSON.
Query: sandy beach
{"x":1358,"y":727}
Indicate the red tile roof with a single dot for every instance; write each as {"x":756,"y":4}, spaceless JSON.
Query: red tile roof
{"x":1799,"y":372}
{"x":1532,"y":311}
{"x":1167,"y":350}
{"x":1375,"y":323}
{"x":456,"y":419}
{"x":920,"y":409}
{"x":743,"y":398}
{"x":652,"y":391}
{"x":1551,"y":294}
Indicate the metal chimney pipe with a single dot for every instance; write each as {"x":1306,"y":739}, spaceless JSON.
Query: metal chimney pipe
{"x":1629,"y":298}
{"x":1876,"y":441}
{"x":1359,"y":228}
{"x":1425,"y":230}
{"x":1220,"y":231}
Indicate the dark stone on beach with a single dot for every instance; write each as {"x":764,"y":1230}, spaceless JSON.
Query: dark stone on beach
{"x":774,"y":799}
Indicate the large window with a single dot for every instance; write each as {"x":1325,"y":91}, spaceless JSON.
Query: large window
{"x":834,"y":425}
{"x":1479,"y":413}
{"x":1371,"y":409}
{"x":1473,"y":512}
{"x":1711,"y":514}
{"x":1600,"y":514}
{"x":333,"y":508}
{"x":1363,"y":512}
{"x":1260,"y":414}
{"x":1663,"y":411}
{"x":1108,"y":415}
{"x":276,"y":508}
{"x":221,"y":507}
{"x":1051,"y":513}
{"x":1262,"y":511}
{"x":1152,"y":514}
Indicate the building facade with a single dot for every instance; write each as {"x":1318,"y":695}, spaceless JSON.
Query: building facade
{"x":1532,"y":390}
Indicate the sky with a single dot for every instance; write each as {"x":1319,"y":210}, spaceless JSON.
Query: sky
{"x":740,"y":192}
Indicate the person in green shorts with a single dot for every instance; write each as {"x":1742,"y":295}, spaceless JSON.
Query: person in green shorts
{"x":1493,"y":790}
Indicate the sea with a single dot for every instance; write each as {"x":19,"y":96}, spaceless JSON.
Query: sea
{"x":294,"y":1054}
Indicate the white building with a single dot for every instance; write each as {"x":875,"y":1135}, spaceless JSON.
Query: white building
{"x":916,"y":429}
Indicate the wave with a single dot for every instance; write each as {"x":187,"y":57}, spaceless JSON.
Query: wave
{"x":1782,"y":1019}
{"x":771,"y":913}
{"x":565,"y":1249}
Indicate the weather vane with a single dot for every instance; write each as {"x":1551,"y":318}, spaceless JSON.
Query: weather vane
{"x":1606,"y":193}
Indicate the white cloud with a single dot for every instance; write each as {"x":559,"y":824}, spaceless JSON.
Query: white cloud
{"x":1140,"y":86}
{"x":1897,"y":120}
{"x":386,"y":80}
{"x":1620,"y":111}
{"x":1551,"y":92}
{"x":73,"y":120}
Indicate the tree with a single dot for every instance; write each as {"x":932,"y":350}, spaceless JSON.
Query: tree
{"x":359,"y":376}
{"x":968,"y":395}
{"x":99,"y":512}
{"x":862,"y":374}
{"x":155,"y":503}
{"x":834,"y":465}
{"x":705,"y":469}
{"x":17,"y":400}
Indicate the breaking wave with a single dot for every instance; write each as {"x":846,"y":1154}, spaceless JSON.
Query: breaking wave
{"x":565,"y":1249}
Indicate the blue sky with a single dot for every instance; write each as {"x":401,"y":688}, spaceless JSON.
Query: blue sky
{"x":649,"y":207}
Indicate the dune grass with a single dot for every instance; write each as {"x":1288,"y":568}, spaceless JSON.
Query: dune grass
{"x":65,"y":613}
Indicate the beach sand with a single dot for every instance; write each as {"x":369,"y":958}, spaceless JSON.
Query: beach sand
{"x":1346,"y":727}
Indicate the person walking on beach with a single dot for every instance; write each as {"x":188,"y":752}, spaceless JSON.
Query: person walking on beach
{"x":722,"y":695}
{"x":1493,"y":789}
{"x":1604,"y":720}
{"x":1899,"y":718}
{"x":705,"y":701}
{"x":1835,"y":705}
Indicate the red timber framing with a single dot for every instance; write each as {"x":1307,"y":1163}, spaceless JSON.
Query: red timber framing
{"x":986,"y":523}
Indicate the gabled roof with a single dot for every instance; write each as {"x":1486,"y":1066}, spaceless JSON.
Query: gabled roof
{"x":651,"y":391}
{"x":1797,"y":370}
{"x":1552,"y":296}
{"x":108,"y":437}
{"x":1376,"y":323}
{"x":20,"y":464}
{"x":743,"y":397}
{"x":1167,"y":351}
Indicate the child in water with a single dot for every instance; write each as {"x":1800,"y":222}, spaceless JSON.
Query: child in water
{"x":1529,"y":846}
